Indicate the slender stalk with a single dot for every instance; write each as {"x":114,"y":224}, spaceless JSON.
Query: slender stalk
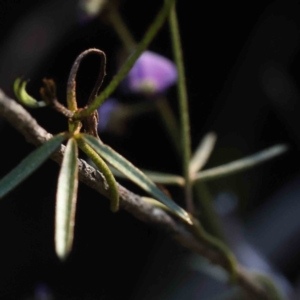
{"x":183,"y":107}
{"x":120,"y":27}
{"x":162,"y":104}
{"x":142,"y":46}
{"x":23,"y":122}
{"x":170,"y":123}
{"x":207,"y":213}
{"x":202,"y":234}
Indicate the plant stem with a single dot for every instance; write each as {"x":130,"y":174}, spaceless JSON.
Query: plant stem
{"x":209,"y":217}
{"x":121,"y":28}
{"x":170,"y":123}
{"x":162,"y":104}
{"x":23,"y":122}
{"x":142,"y":46}
{"x":202,"y":234}
{"x":207,"y":214}
{"x":183,"y":107}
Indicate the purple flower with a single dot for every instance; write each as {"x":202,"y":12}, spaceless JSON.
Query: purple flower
{"x":105,"y":112}
{"x":42,"y":292}
{"x":152,"y":74}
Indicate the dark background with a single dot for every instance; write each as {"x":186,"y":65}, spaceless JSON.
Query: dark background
{"x":242,"y":68}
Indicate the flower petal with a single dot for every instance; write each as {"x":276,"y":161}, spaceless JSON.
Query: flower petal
{"x":151,"y":74}
{"x":104,"y":113}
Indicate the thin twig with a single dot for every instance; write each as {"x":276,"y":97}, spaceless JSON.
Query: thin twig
{"x":48,"y":94}
{"x":120,"y":27}
{"x":22,"y":121}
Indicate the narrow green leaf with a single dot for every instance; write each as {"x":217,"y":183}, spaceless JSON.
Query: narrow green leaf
{"x":28,"y":165}
{"x":217,"y":244}
{"x":66,"y":201}
{"x":158,"y":204}
{"x":156,"y":177}
{"x":104,"y":169}
{"x":134,"y":174}
{"x":241,"y":164}
{"x":24,"y":97}
{"x":16,"y":88}
{"x":202,"y":153}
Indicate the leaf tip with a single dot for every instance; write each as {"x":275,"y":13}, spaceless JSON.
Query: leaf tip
{"x":62,"y":253}
{"x":188,"y":218}
{"x":62,"y":249}
{"x":185,"y":216}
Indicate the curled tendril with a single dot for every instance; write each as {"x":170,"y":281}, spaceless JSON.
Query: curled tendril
{"x":22,"y":95}
{"x":71,"y":87}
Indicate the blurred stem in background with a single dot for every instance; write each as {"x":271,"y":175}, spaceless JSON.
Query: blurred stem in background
{"x":183,"y":108}
{"x":120,"y":27}
{"x":205,"y":201}
{"x":129,"y":63}
{"x":191,"y":164}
